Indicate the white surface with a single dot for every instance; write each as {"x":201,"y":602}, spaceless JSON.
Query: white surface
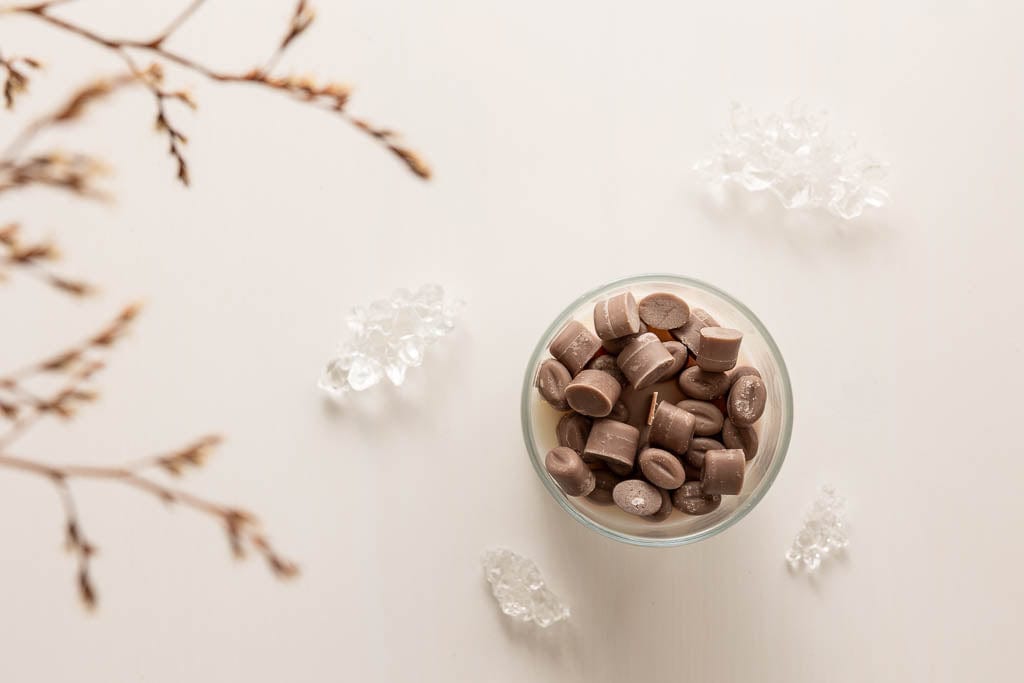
{"x":562,"y":136}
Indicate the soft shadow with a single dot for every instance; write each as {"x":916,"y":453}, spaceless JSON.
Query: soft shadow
{"x":761,"y":215}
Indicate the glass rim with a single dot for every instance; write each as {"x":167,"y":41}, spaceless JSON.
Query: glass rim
{"x":747,"y":505}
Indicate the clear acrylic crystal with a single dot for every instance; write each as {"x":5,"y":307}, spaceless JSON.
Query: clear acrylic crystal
{"x":796,"y":158}
{"x":824,"y":532}
{"x":520,"y":590}
{"x":388,"y":337}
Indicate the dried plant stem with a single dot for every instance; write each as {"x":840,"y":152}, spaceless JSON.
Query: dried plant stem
{"x":331,"y":96}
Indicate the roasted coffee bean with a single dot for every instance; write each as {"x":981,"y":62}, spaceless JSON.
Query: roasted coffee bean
{"x":664,"y":311}
{"x":747,"y":400}
{"x":718,"y":349}
{"x":574,"y":346}
{"x":723,"y":472}
{"x":691,"y":499}
{"x":569,"y":471}
{"x":703,"y":385}
{"x":695,"y":453}
{"x":661,"y":468}
{"x":637,"y":497}
{"x":744,"y":438}
{"x":572,"y":431}
{"x":708,"y":418}
{"x":616,"y":316}
{"x":552,"y":378}
{"x":593,"y":393}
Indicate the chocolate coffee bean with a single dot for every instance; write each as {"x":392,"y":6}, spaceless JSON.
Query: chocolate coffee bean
{"x":672,"y":427}
{"x":593,"y":393}
{"x":664,"y":311}
{"x":691,"y":499}
{"x":742,"y":371}
{"x":665,"y":511}
{"x":604,"y":482}
{"x":644,"y":360}
{"x":703,"y":385}
{"x":568,"y":470}
{"x":606,"y":363}
{"x":679,"y":355}
{"x":744,"y":438}
{"x":708,"y":417}
{"x":574,"y":346}
{"x":661,"y":468}
{"x":620,"y":412}
{"x":616,"y":316}
{"x":615,"y":346}
{"x":747,"y":400}
{"x":695,"y":453}
{"x":718,"y":349}
{"x":723,"y":472}
{"x":689,"y":333}
{"x":612,"y":441}
{"x":572,"y":431}
{"x":637,"y":497}
{"x":552,"y":378}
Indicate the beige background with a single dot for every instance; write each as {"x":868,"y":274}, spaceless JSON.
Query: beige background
{"x":562,"y":135}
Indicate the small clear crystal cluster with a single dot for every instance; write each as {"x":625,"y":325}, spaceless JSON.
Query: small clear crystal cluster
{"x":795,"y":157}
{"x":824,"y":532}
{"x":520,"y":590}
{"x":388,"y":337}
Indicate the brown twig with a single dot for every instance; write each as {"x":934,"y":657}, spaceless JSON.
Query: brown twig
{"x":16,"y":78}
{"x":33,"y":258}
{"x":331,"y":96}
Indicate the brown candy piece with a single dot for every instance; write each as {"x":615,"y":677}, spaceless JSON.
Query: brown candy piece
{"x":718,"y":349}
{"x":552,"y":378}
{"x":620,"y":412}
{"x":747,"y":400}
{"x":743,"y":371}
{"x":679,"y":355}
{"x":604,"y":483}
{"x":665,"y":511}
{"x":606,"y":363}
{"x":593,"y":393}
{"x":672,"y":427}
{"x":619,"y":468}
{"x":691,"y":499}
{"x":615,"y":346}
{"x":569,"y":471}
{"x":612,"y":442}
{"x":616,"y":316}
{"x":661,"y":468}
{"x":709,"y":418}
{"x":644,"y":360}
{"x":723,"y":472}
{"x":664,"y":311}
{"x":703,"y":385}
{"x":744,"y":438}
{"x":637,"y":497}
{"x":574,"y":346}
{"x":572,"y":431}
{"x":689,"y":333}
{"x":695,"y":453}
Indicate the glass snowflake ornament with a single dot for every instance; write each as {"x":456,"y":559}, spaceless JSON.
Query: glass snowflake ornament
{"x":388,"y":337}
{"x":519,"y":588}
{"x":796,"y":158}
{"x":824,"y":532}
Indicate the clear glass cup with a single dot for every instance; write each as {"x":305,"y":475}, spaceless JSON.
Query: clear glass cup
{"x":774,"y":428}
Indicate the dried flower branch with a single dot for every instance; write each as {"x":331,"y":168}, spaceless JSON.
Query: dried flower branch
{"x":22,"y":408}
{"x":16,"y":77}
{"x":34,"y":258}
{"x":331,"y":95}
